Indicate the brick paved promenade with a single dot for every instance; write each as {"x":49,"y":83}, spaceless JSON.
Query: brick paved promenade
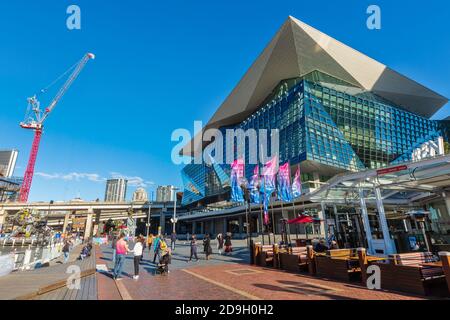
{"x":223,"y":278}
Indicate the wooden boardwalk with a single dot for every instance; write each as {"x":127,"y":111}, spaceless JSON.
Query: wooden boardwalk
{"x":44,"y":282}
{"x":87,"y":291}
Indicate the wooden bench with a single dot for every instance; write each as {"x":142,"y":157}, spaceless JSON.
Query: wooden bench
{"x":265,"y":256}
{"x":404,"y":272}
{"x":339,"y":264}
{"x":294,"y":260}
{"x":445,"y":259}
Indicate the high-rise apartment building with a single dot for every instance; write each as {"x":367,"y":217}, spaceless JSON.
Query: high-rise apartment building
{"x":165,"y":194}
{"x":116,"y":190}
{"x":8,"y":160}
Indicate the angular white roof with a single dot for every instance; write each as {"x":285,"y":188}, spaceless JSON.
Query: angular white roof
{"x":298,"y":49}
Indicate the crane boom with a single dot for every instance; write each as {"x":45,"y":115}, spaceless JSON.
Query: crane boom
{"x":37,"y":123}
{"x":67,"y":84}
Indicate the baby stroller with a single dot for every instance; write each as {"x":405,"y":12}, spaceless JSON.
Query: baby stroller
{"x":163,"y":265}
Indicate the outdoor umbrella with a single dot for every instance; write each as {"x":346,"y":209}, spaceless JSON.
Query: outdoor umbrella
{"x":301,"y":220}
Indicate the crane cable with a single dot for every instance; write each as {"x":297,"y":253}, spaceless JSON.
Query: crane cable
{"x":44,"y":90}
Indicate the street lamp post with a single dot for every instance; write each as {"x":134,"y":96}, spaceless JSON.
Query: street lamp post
{"x":174,"y":209}
{"x":148,"y":218}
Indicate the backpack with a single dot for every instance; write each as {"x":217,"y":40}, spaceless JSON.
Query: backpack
{"x":162,"y":245}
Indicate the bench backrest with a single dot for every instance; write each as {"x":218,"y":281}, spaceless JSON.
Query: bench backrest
{"x":298,"y":250}
{"x":413,"y":259}
{"x":340,"y":253}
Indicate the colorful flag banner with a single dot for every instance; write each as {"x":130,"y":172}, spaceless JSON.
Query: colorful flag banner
{"x":297,"y":184}
{"x":284,"y":183}
{"x":268,"y":185}
{"x":237,"y":176}
{"x":254,"y":186}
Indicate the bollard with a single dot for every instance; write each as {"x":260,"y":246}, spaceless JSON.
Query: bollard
{"x":363,"y":263}
{"x":13,"y":243}
{"x":23,"y":242}
{"x":445,"y":258}
{"x":311,"y":260}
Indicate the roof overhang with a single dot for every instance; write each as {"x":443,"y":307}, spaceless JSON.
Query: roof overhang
{"x":298,"y":49}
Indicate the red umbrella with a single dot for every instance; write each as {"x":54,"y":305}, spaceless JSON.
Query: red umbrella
{"x":301,"y":220}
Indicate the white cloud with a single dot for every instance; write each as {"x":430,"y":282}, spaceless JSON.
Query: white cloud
{"x":73,"y":176}
{"x":133,"y":181}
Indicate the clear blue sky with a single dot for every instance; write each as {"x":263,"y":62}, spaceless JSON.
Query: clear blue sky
{"x":163,"y":64}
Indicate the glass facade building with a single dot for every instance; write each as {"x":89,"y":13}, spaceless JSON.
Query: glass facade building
{"x":326,"y":121}
{"x":336,"y":109}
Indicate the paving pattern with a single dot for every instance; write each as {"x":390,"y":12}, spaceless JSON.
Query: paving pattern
{"x":225,"y":278}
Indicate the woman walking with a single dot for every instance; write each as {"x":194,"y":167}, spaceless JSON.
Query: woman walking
{"x":207,"y":246}
{"x":121,"y":251}
{"x":193,"y":245}
{"x":228,"y":246}
{"x":220,"y":243}
{"x":138,"y":252}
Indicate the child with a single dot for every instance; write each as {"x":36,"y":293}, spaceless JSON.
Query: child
{"x":138,"y":250}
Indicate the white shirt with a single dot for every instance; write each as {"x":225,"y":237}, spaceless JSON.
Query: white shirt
{"x":138,"y":249}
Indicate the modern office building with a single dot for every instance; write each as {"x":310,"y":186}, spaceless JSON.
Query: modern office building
{"x":165,"y":194}
{"x":116,"y":190}
{"x":336,"y":109}
{"x":8,"y":159}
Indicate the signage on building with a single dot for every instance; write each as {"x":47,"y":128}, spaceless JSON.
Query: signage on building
{"x":78,"y":223}
{"x":392,"y":170}
{"x":431,"y":148}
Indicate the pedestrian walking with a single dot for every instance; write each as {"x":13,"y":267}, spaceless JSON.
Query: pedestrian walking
{"x":156,"y":248}
{"x":173,"y":240}
{"x":138,"y":253}
{"x":228,"y":245}
{"x":113,"y":245}
{"x":193,"y":245}
{"x":220,"y":242}
{"x":150,"y":239}
{"x":66,"y":250}
{"x":121,"y":252}
{"x":207,"y":246}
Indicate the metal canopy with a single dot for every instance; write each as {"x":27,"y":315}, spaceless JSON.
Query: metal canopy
{"x":406,"y":183}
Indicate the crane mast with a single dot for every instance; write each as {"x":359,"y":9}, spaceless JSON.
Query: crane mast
{"x":36,"y":123}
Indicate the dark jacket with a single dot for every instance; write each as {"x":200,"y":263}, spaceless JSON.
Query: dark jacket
{"x":207,"y":246}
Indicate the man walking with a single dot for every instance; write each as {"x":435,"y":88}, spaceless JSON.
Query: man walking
{"x":173,"y":239}
{"x":156,"y":248}
{"x":193,"y":246}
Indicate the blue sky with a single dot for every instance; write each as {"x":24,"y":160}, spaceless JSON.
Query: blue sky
{"x":162,"y":65}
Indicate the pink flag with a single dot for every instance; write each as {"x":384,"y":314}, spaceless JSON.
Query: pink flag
{"x":238,"y":168}
{"x":271,"y":167}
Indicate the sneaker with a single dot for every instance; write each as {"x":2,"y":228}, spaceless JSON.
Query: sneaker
{"x":118,"y":279}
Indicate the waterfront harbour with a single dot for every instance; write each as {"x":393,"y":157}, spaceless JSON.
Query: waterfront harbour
{"x":225,"y":171}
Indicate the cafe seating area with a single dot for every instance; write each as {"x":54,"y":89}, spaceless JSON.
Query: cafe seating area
{"x":419,"y":273}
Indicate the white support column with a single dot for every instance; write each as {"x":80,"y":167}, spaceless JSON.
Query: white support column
{"x":390,"y":249}
{"x":366,"y":222}
{"x":88,"y":227}
{"x":66,"y":221}
{"x":323,"y":221}
{"x":2,"y":218}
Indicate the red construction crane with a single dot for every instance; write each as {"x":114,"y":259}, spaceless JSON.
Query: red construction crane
{"x":35,"y":118}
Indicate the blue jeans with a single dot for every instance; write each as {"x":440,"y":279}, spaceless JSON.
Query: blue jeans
{"x":120,"y":259}
{"x":66,"y":257}
{"x":114,"y":257}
